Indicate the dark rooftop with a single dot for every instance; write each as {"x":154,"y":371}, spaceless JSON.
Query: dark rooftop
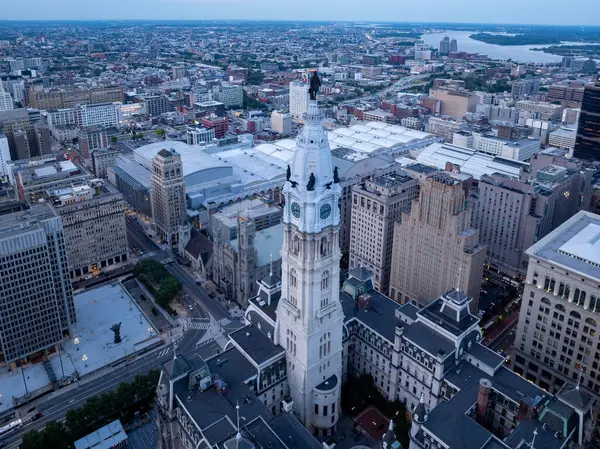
{"x":256,"y":344}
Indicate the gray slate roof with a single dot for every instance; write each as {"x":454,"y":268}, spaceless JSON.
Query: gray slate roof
{"x":256,"y":344}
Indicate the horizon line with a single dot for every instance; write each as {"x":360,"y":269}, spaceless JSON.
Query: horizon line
{"x":366,"y":22}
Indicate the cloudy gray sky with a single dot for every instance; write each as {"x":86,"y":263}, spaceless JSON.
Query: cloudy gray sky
{"x":572,"y":12}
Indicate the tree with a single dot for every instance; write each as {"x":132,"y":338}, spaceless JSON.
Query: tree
{"x":168,"y":289}
{"x":113,"y":139}
{"x":160,"y":132}
{"x":56,"y":436}
{"x":33,"y":440}
{"x":255,"y":77}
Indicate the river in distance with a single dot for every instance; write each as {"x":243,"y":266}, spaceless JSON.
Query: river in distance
{"x":518,"y":53}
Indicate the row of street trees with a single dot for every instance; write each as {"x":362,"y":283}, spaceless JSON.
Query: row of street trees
{"x":95,"y":413}
{"x":162,"y":284}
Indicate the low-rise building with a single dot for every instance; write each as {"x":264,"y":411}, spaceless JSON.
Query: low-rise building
{"x":540,"y":109}
{"x":103,"y":159}
{"x":563,"y":138}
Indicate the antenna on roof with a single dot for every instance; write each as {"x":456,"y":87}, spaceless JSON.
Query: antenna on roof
{"x":271,"y":264}
{"x":458,"y":279}
{"x":237,"y":409}
{"x":579,"y":377}
{"x":533,"y":440}
{"x":174,"y":347}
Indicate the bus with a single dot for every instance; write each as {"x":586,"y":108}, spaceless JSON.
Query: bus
{"x":10,"y":427}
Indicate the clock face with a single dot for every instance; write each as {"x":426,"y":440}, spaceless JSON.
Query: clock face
{"x":296,"y":210}
{"x":325,"y":211}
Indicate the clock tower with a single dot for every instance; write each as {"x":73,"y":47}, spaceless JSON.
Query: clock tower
{"x":309,"y":315}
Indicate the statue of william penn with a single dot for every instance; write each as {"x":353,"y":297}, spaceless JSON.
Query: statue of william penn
{"x":315,"y":84}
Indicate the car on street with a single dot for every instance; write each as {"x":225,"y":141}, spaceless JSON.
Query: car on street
{"x":37,"y":416}
{"x":191,"y":307}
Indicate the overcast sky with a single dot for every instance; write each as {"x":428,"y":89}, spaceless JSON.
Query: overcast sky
{"x":572,"y":12}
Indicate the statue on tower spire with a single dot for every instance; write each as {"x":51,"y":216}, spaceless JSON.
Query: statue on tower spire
{"x":315,"y":84}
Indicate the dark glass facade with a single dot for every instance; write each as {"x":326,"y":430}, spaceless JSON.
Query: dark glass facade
{"x":587,"y":143}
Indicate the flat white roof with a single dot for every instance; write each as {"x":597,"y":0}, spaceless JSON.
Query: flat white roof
{"x":585,"y":245}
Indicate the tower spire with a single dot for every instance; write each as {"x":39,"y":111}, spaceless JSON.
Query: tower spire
{"x":271,"y":265}
{"x":458,"y":279}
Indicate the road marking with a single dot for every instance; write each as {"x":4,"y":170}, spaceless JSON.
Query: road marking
{"x":164,"y":352}
{"x":199,"y":325}
{"x":224,"y":321}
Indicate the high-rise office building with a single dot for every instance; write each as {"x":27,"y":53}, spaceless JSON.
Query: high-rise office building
{"x":557,"y":336}
{"x":587,"y":143}
{"x":35,"y":292}
{"x":445,"y":45}
{"x":298,"y":99}
{"x":511,"y":215}
{"x":178,"y":72}
{"x":4,"y":157}
{"x":453,"y":46}
{"x":91,"y":138}
{"x":455,"y":101}
{"x":6,"y":101}
{"x":376,"y":205}
{"x":93,"y":218}
{"x":281,"y":123}
{"x":168,"y":195}
{"x":435,"y":248}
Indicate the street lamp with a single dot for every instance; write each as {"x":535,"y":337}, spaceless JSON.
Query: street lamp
{"x":85,"y":359}
{"x":76,"y":342}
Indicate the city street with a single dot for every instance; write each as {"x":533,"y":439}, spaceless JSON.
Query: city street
{"x":505,"y":339}
{"x":55,"y":409}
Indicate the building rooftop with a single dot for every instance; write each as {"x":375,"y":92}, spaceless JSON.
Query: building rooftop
{"x":256,"y":344}
{"x":469,"y":160}
{"x":267,"y":242}
{"x":574,"y":245}
{"x":107,"y":437}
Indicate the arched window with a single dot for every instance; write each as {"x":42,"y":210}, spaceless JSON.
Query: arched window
{"x":561,"y":289}
{"x":591,"y":322}
{"x":560,"y":307}
{"x":546,"y":283}
{"x":567,"y":291}
{"x":552,"y":284}
{"x":575,"y":315}
{"x":293,"y":278}
{"x":325,"y":280}
{"x":296,"y":244}
{"x":546,"y":301}
{"x":594,"y":304}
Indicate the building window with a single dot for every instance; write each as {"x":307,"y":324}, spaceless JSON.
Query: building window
{"x":325,"y":280}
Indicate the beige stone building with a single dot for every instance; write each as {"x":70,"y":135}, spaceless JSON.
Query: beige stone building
{"x":168,"y":195}
{"x":93,"y":217}
{"x":455,"y":101}
{"x":434,"y":248}
{"x":376,"y":205}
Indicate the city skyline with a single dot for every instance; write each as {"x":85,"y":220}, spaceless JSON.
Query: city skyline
{"x":581,"y":12}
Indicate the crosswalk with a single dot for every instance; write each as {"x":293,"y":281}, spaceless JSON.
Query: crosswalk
{"x":167,"y":261}
{"x":224,"y":321}
{"x":146,"y":255}
{"x":199,"y":325}
{"x":165,"y":351}
{"x":221,"y":340}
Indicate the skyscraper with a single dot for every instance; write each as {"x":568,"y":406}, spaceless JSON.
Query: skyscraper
{"x":298,"y":98}
{"x":376,"y":205}
{"x":445,"y":45}
{"x":453,"y":46}
{"x":309,"y":313}
{"x":587,"y":143}
{"x":6,"y":102}
{"x":557,"y":334}
{"x":168,"y":195}
{"x":36,"y":298}
{"x":435,"y":249}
